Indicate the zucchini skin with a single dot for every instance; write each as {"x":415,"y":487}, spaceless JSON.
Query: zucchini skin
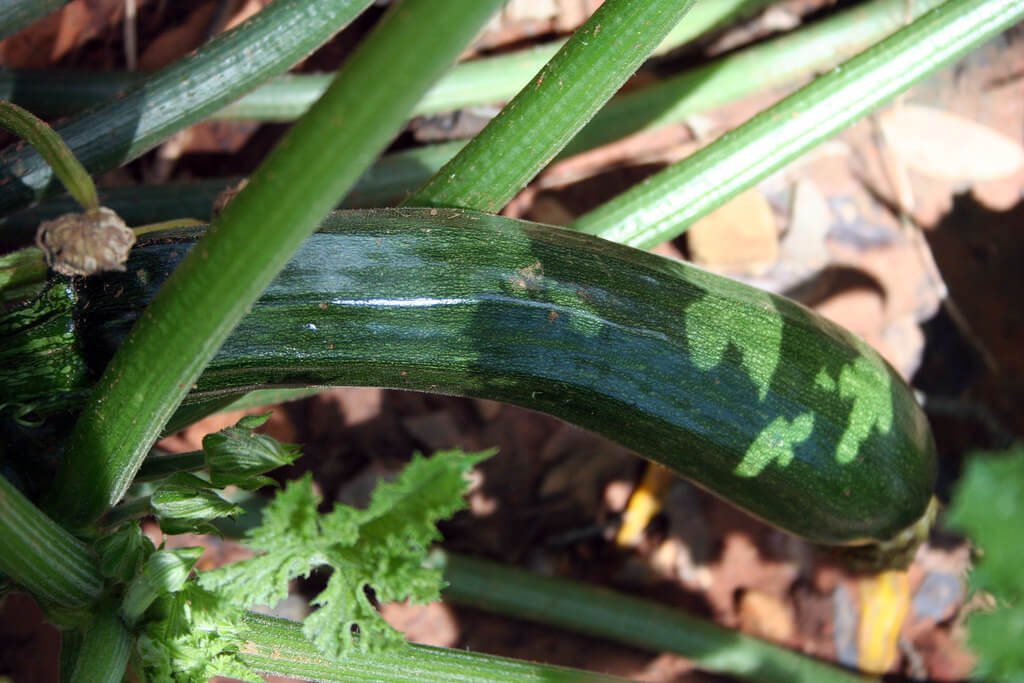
{"x":750,"y":395}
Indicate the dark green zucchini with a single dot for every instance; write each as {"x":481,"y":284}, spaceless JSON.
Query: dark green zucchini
{"x":748,"y":394}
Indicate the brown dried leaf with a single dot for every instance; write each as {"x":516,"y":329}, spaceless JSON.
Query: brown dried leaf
{"x":942,"y":145}
{"x":178,"y":41}
{"x":49,"y":39}
{"x":739,"y":236}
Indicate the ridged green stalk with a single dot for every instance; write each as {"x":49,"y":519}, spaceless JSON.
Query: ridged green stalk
{"x":600,"y":612}
{"x":278,"y":647}
{"x":559,"y":100}
{"x":104,"y":649}
{"x":136,"y":204}
{"x":387,"y":181}
{"x":41,"y":556}
{"x":785,"y":60}
{"x":183,"y":93}
{"x":17,"y":14}
{"x":319,"y":159}
{"x":816,"y":46}
{"x":485,"y":80}
{"x":53,"y":150}
{"x":665,"y":205}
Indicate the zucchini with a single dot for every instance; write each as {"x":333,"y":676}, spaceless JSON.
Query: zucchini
{"x":750,"y":395}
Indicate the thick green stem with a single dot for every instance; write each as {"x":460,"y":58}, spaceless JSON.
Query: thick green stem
{"x":160,"y":466}
{"x":54,"y":152}
{"x":41,"y":556}
{"x":135,"y":204}
{"x":17,"y":14}
{"x":559,"y":100}
{"x":668,"y":203}
{"x":130,"y":510}
{"x":278,"y":647}
{"x":306,"y":174}
{"x":185,"y":92}
{"x":603,"y":613}
{"x":815,"y":47}
{"x":486,"y":80}
{"x":103,"y":652}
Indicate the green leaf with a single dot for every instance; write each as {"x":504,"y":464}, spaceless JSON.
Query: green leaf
{"x":988,"y":506}
{"x":236,"y":456}
{"x":196,"y":638}
{"x":124,"y":552}
{"x":381,"y":548}
{"x":166,"y":571}
{"x":185,"y":503}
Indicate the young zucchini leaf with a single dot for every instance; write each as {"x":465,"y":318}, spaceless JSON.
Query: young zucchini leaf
{"x":988,"y":506}
{"x":382,"y":547}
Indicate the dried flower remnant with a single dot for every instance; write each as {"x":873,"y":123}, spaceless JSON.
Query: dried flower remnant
{"x":228,"y":194}
{"x":85,"y":243}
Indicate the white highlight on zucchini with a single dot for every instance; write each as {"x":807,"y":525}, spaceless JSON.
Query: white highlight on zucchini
{"x":402,"y":303}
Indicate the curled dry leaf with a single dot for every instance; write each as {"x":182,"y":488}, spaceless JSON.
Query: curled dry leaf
{"x":85,"y":243}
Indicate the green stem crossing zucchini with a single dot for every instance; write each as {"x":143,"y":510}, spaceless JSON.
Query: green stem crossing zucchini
{"x":748,"y":394}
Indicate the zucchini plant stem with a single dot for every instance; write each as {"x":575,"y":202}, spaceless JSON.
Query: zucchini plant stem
{"x":552,"y":108}
{"x":665,"y":205}
{"x":484,"y":80}
{"x":53,"y":150}
{"x":17,"y":14}
{"x":279,"y":647}
{"x":319,"y":159}
{"x":819,"y":46}
{"x":160,"y":466}
{"x":785,"y":60}
{"x":102,"y":654}
{"x":183,"y":93}
{"x":41,"y":556}
{"x":597,"y":611}
{"x":129,"y":510}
